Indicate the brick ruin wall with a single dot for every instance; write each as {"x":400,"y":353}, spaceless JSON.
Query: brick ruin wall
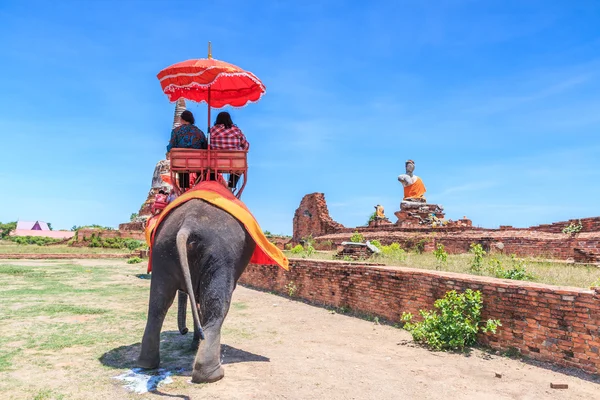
{"x":583,"y":247}
{"x":547,"y":323}
{"x":312,"y":218}
{"x":588,"y":225}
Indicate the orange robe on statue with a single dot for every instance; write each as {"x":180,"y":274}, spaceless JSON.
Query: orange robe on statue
{"x":415,"y":191}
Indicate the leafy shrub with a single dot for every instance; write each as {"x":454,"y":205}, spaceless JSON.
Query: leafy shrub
{"x":34,"y":240}
{"x":420,"y":246}
{"x":291,"y":288}
{"x":517,"y":272}
{"x":133,"y":216}
{"x":328,"y":244}
{"x":440,"y":254}
{"x":573,"y":228}
{"x":133,"y":244}
{"x":309,"y":250}
{"x":357,"y":237}
{"x":114,"y":243}
{"x":134,"y":260}
{"x":372,"y":218}
{"x":457,"y":324}
{"x":288,"y":246}
{"x":478,"y":254}
{"x":394,"y":252}
{"x":376,"y":243}
{"x":308,"y":240}
{"x":6,"y":229}
{"x":297,"y":249}
{"x":95,"y":242}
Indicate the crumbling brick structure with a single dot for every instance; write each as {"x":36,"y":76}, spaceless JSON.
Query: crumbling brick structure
{"x":312,"y":218}
{"x":547,"y":241}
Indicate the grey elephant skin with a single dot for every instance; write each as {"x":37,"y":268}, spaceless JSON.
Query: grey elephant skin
{"x":201,"y":250}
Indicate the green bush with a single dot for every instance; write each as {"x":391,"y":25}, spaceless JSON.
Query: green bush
{"x":376,"y":243}
{"x":33,"y":240}
{"x":134,"y":260}
{"x":394,"y":252}
{"x":357,"y":238}
{"x":457,"y":324}
{"x":6,"y":229}
{"x":309,"y":250}
{"x":372,"y":218}
{"x":478,"y":254}
{"x":309,"y":240}
{"x":297,"y":249}
{"x":327,"y":244}
{"x":440,"y":254}
{"x":573,"y":228}
{"x":420,"y":246}
{"x":517,"y":272}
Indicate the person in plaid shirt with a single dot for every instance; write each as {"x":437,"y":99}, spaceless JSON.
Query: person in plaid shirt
{"x":225,"y":135}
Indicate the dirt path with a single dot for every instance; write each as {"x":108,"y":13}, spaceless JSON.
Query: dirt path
{"x":314,"y":354}
{"x":277,"y":348}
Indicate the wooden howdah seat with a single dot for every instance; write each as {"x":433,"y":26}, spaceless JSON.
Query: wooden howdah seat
{"x":210,"y":165}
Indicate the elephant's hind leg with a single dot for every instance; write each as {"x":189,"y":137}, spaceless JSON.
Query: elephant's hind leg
{"x":162,"y":294}
{"x":214,"y":303}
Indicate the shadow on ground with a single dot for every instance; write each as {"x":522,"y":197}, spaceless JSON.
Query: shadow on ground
{"x":176,"y":354}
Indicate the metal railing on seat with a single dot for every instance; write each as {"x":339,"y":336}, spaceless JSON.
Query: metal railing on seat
{"x":211,"y":164}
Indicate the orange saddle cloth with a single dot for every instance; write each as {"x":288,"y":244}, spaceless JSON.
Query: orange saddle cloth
{"x":218,"y":195}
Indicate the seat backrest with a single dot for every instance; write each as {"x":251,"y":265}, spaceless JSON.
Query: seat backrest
{"x":198,"y":160}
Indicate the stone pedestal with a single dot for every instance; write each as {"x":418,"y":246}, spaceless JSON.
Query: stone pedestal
{"x":354,"y":251}
{"x":379,"y":222}
{"x":415,"y":214}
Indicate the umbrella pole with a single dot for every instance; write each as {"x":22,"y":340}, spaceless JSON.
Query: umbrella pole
{"x":208,"y":128}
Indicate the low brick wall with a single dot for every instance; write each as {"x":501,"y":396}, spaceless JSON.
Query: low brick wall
{"x":588,"y":225}
{"x":519,"y":242}
{"x":548,"y":323}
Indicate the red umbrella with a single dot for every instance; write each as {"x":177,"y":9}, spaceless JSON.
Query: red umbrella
{"x":214,"y":82}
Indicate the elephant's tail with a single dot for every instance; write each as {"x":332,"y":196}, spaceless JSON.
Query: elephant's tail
{"x":182,"y":238}
{"x":182,"y":305}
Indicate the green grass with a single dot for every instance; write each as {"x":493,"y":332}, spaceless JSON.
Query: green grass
{"x":7,"y":247}
{"x":239,"y":305}
{"x":47,"y":394}
{"x":552,"y":273}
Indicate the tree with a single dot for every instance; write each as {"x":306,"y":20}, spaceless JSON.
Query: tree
{"x":133,"y":216}
{"x":50,"y":226}
{"x":6,"y":229}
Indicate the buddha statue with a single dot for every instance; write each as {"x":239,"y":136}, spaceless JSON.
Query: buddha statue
{"x":414,"y":189}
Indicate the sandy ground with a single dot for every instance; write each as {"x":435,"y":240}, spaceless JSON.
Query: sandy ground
{"x":277,"y":348}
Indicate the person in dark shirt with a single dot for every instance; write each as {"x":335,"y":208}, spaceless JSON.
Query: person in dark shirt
{"x":186,"y":136}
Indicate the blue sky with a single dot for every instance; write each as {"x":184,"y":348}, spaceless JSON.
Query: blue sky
{"x":498,"y":103}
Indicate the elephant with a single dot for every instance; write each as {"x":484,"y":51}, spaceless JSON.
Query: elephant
{"x":201,"y":250}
